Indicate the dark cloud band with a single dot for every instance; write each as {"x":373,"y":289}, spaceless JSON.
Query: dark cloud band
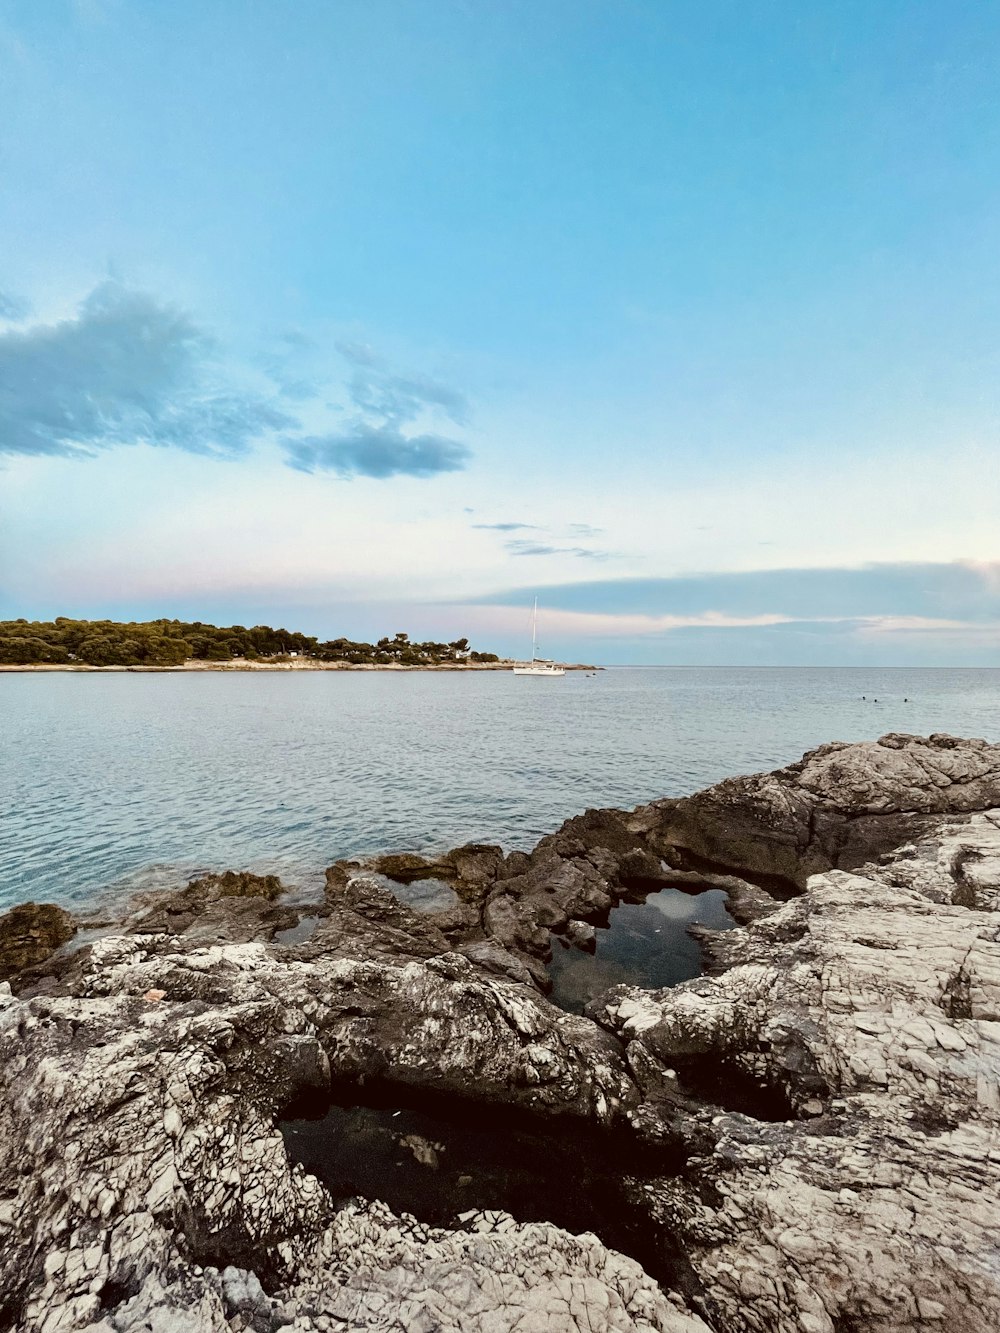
{"x":946,"y":591}
{"x":379,"y":452}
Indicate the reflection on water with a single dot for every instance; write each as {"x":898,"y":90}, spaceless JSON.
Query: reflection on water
{"x":644,"y":944}
{"x":133,"y":781}
{"x":300,"y":932}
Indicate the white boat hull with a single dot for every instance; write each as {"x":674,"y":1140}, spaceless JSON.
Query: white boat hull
{"x":539,"y":671}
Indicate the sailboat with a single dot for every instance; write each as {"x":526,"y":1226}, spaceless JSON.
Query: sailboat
{"x":537,"y":666}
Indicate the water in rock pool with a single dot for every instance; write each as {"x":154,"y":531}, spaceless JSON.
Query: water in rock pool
{"x":644,"y":944}
{"x":122,"y":782}
{"x":444,"y":1161}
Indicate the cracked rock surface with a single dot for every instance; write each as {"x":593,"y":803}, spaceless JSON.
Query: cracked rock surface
{"x":873,"y":1001}
{"x":828,"y":1098}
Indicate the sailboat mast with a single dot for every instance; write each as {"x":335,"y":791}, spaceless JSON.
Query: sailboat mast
{"x":534,"y":630}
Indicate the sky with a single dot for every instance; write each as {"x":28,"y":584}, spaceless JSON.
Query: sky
{"x":361,"y":316}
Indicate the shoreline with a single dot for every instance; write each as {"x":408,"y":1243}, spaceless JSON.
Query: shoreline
{"x":506,"y":664}
{"x":773,"y":1125}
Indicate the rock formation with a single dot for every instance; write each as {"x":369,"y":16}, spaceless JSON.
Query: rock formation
{"x":758,"y":837}
{"x":838,"y":807}
{"x":31,"y":933}
{"x":810,"y":1133}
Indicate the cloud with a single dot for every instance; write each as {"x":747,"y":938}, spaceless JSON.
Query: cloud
{"x":920,"y":625}
{"x":504,"y":527}
{"x":129,"y":369}
{"x":713,"y":634}
{"x":537,"y":547}
{"x":396,"y":399}
{"x":283,"y":362}
{"x":126,"y":369}
{"x":521,"y":547}
{"x":374,"y":444}
{"x":10,"y":307}
{"x":377,"y":451}
{"x":943,"y":614}
{"x":954,"y":591}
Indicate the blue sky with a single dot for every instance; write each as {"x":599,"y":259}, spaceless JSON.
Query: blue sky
{"x":362,"y":316}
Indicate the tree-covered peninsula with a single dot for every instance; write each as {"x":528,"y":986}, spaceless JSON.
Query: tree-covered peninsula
{"x":166,"y":643}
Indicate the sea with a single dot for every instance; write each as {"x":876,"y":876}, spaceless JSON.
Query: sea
{"x":112,"y":783}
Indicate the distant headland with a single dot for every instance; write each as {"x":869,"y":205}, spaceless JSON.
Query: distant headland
{"x":64,"y":644}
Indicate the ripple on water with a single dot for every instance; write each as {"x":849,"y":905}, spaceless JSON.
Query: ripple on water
{"x":105,"y":776}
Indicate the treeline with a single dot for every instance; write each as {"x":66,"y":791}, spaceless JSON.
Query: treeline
{"x":170,"y":642}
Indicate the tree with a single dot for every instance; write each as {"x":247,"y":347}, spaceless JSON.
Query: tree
{"x":99,"y":650}
{"x":166,"y":642}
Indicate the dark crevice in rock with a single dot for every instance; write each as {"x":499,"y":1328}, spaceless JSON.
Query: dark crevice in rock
{"x":932,"y":1121}
{"x":232,"y":1245}
{"x":780,"y":887}
{"x":446,"y":1160}
{"x":12,"y":1306}
{"x":964,"y":894}
{"x":116,"y":1291}
{"x":714,"y":1081}
{"x":956,"y":998}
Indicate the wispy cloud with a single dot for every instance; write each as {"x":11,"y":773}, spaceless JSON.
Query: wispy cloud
{"x":522,"y":547}
{"x":921,"y":625}
{"x":379,"y":452}
{"x":126,"y":369}
{"x":548,"y":542}
{"x":10,"y":307}
{"x":506,"y":527}
{"x":397,"y":399}
{"x":284,"y":362}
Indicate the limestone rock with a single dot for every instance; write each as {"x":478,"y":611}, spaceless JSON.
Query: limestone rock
{"x":234,"y":905}
{"x":31,"y":933}
{"x":871,"y":1003}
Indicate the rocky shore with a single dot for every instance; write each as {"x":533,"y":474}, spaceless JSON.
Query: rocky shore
{"x":804,"y":1138}
{"x":299,"y":664}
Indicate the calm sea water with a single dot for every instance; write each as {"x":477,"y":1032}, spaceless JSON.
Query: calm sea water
{"x":113,"y":782}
